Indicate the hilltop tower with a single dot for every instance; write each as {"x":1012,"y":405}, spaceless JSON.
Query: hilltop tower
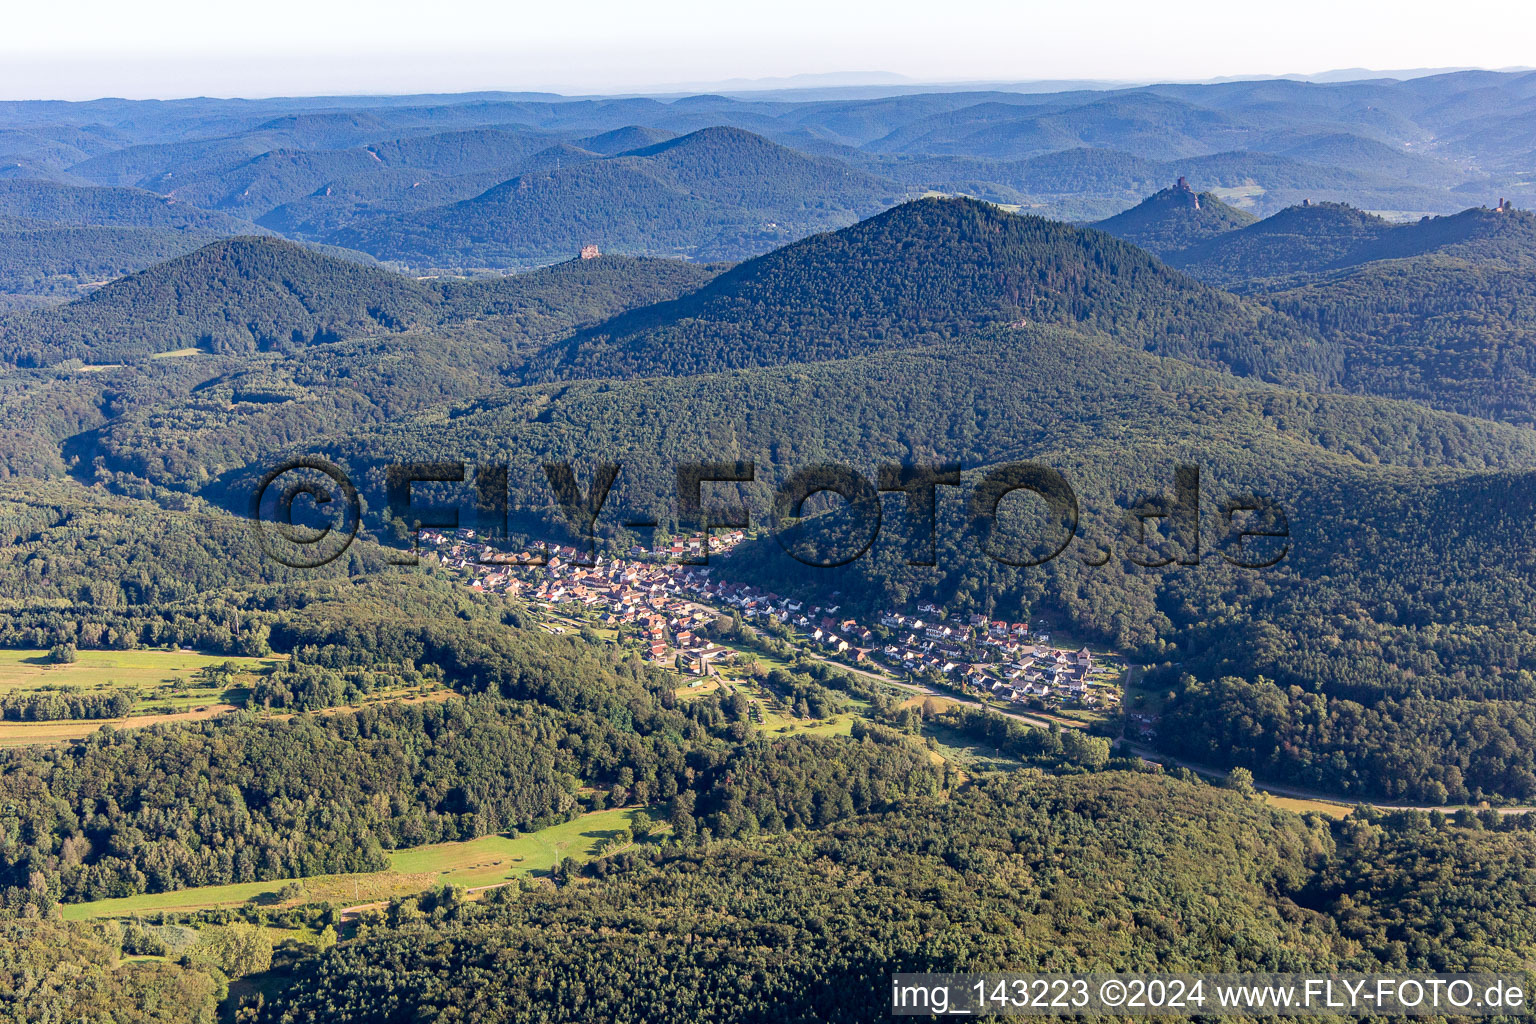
{"x":589,"y":252}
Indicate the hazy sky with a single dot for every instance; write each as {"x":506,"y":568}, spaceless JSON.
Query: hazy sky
{"x":162,"y":48}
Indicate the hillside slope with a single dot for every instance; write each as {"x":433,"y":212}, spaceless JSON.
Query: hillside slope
{"x":1296,"y":241}
{"x":245,"y":295}
{"x":934,"y":269}
{"x":1174,"y":219}
{"x":1446,"y":315}
{"x":1394,"y":510}
{"x":82,"y":206}
{"x":55,"y":262}
{"x":1305,"y":242}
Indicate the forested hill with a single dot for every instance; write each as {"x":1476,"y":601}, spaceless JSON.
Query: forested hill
{"x":1455,"y":328}
{"x":1506,"y":237}
{"x":929,"y":270}
{"x":252,"y":294}
{"x":1442,"y":310}
{"x":1297,"y":240}
{"x":1175,"y":219}
{"x":716,"y":193}
{"x":78,"y":206}
{"x":1007,"y":875}
{"x":1305,"y":241}
{"x":1012,"y":874}
{"x":625,"y":140}
{"x":58,"y":240}
{"x":1387,"y":528}
{"x":243,"y":294}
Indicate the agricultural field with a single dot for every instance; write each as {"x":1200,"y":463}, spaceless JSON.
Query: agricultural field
{"x":169,"y":679}
{"x":160,"y":686}
{"x":1298,"y":806}
{"x":474,"y":864}
{"x":22,"y":734}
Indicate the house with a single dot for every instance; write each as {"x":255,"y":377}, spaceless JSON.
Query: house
{"x":701,"y":661}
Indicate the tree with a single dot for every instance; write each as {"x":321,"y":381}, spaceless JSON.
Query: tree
{"x":1241,"y":780}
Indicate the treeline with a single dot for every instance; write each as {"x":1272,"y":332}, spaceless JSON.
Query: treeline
{"x":51,"y":970}
{"x":66,"y":702}
{"x":239,"y":800}
{"x":1059,"y":750}
{"x":1415,"y":749}
{"x":306,"y":683}
{"x":807,"y":782}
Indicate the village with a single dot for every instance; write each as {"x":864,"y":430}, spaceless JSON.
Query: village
{"x":671,"y":605}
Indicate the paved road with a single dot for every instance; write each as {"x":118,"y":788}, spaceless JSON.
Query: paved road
{"x":1143,"y":752}
{"x":1157,"y":756}
{"x":1299,"y":792}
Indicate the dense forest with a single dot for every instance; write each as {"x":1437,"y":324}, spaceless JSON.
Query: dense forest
{"x":1175,"y":219}
{"x":931,"y":270}
{"x":1023,"y":874}
{"x":250,"y":295}
{"x":1390,"y":475}
{"x":1366,"y":374}
{"x":1303,"y":242}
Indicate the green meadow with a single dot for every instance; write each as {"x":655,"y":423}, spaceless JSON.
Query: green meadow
{"x":155,"y":674}
{"x":476,"y":863}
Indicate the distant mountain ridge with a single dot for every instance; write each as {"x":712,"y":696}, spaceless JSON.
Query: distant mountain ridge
{"x":87,"y":206}
{"x":717,"y":193}
{"x":390,"y":172}
{"x":57,"y":240}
